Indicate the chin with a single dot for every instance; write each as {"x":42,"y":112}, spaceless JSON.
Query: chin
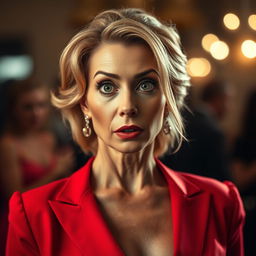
{"x":130,"y":147}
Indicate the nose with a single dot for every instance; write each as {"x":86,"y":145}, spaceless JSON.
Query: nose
{"x":130,"y":112}
{"x":128,"y":106}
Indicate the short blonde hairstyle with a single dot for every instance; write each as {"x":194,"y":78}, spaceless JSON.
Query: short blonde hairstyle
{"x":127,"y":26}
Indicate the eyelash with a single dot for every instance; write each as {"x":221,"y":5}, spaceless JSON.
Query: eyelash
{"x":99,"y":86}
{"x":148,"y":80}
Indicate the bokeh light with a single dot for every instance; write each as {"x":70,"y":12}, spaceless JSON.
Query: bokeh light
{"x":208,"y":40}
{"x":219,"y":50}
{"x":248,"y":48}
{"x":231,"y":21}
{"x":252,"y":21}
{"x":198,"y":67}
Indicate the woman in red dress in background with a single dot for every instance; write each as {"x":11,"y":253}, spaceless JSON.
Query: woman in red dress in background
{"x":28,"y":154}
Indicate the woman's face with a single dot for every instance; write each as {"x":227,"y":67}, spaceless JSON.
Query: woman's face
{"x":124,"y":98}
{"x":32,"y":109}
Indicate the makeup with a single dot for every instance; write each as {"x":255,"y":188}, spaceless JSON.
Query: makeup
{"x":128,"y":131}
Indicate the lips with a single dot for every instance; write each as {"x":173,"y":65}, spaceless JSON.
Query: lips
{"x":128,"y":131}
{"x":128,"y":128}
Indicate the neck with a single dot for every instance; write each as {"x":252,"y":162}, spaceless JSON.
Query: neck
{"x":129,"y":172}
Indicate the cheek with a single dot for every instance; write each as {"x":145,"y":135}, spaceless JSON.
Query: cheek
{"x":158,"y":117}
{"x":155,"y":115}
{"x":44,"y":113}
{"x":24,"y":114}
{"x":101,"y":116}
{"x":155,"y":110}
{"x":23,"y":118}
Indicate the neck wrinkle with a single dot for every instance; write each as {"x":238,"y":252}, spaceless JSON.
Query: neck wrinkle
{"x":128,"y":172}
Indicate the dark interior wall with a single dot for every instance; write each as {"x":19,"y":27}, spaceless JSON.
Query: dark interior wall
{"x":44,"y":27}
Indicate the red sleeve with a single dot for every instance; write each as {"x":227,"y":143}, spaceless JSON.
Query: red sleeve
{"x":20,"y":240}
{"x":235,"y":245}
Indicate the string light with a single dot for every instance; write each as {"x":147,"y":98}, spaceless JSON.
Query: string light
{"x":198,"y":67}
{"x":248,"y":49}
{"x":219,"y":50}
{"x":252,"y":21}
{"x":208,"y":40}
{"x":231,"y":21}
{"x":201,"y":67}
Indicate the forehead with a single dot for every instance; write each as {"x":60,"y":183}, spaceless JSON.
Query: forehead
{"x":119,"y":57}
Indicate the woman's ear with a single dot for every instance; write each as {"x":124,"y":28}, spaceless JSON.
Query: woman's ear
{"x":84,"y":107}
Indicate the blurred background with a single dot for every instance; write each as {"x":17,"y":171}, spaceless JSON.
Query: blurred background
{"x":33,"y":34}
{"x":219,"y":38}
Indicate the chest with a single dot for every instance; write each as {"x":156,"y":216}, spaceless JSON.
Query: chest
{"x":141,"y":226}
{"x":37,"y":150}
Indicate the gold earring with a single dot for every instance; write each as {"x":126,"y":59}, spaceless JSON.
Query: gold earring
{"x":87,"y":131}
{"x":167,"y":127}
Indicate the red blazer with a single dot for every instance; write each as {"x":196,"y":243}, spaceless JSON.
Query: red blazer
{"x":62,"y":218}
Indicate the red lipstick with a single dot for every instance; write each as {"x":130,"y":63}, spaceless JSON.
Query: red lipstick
{"x":128,"y":131}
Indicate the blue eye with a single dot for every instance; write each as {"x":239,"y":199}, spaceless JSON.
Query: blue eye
{"x":147,"y":85}
{"x":106,"y":87}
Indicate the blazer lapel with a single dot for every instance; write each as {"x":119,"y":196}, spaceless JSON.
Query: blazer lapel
{"x":77,"y":212}
{"x":190,"y":211}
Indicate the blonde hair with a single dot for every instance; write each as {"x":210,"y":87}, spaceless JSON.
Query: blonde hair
{"x":127,"y":26}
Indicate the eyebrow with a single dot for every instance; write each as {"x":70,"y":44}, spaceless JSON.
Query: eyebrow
{"x":118,"y":77}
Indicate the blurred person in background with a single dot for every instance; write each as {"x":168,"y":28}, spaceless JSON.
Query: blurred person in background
{"x":64,"y":135}
{"x":244,"y":171}
{"x":215,"y":97}
{"x":3,"y":101}
{"x":204,"y":152}
{"x":29,"y":156}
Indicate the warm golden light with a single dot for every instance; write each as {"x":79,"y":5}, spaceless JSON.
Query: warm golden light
{"x":219,"y":50}
{"x":198,"y":67}
{"x":231,"y":21}
{"x":248,"y":48}
{"x":208,"y":40}
{"x":252,"y":21}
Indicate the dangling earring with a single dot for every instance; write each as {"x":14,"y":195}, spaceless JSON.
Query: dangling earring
{"x":167,"y":127}
{"x":87,"y":130}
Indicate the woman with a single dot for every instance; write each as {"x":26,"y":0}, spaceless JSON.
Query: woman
{"x":28,"y":147}
{"x":28,"y":154}
{"x":123,"y":83}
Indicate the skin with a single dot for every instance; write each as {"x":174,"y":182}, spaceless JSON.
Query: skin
{"x":31,"y":110}
{"x":132,"y":194}
{"x":244,"y":174}
{"x":28,"y":139}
